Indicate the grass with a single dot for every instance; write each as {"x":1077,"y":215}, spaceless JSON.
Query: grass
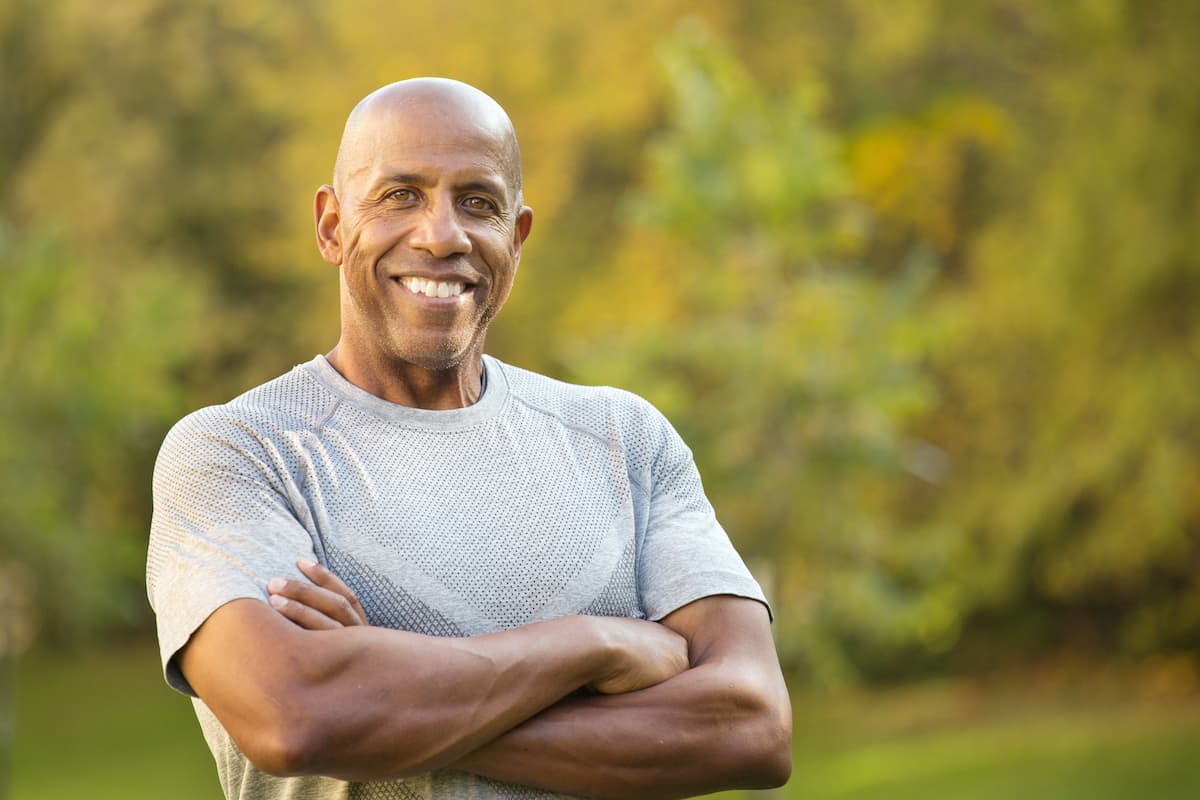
{"x":1097,"y":749}
{"x":104,"y":725}
{"x":1066,"y":732}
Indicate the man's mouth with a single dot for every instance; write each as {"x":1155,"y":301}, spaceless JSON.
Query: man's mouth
{"x":431,"y":288}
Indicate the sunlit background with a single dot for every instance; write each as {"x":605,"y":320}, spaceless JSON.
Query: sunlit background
{"x":918,"y":281}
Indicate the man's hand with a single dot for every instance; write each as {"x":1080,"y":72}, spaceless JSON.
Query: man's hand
{"x":324,"y":604}
{"x":643,"y":653}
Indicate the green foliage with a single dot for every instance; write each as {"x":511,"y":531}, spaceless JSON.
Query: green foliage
{"x":94,"y":365}
{"x":916,"y":281}
{"x":1075,"y":364}
{"x":134,"y":239}
{"x":789,"y":368}
{"x":936,"y":367}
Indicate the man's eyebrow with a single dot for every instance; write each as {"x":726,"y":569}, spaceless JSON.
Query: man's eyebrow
{"x":414,"y":178}
{"x":479,"y":185}
{"x":417,"y":179}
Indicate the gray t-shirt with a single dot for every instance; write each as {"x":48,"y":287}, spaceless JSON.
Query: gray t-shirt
{"x":541,"y":500}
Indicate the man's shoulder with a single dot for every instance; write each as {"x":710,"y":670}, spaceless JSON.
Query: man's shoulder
{"x":606,"y":411}
{"x":293,"y":400}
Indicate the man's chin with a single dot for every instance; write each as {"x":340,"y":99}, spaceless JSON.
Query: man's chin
{"x":437,"y":358}
{"x":437,"y":363}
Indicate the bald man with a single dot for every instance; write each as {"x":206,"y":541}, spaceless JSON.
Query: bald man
{"x":406,"y":569}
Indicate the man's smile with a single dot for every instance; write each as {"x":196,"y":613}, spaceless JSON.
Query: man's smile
{"x":431,"y":288}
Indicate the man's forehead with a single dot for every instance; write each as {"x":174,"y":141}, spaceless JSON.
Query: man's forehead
{"x":426,"y":122}
{"x":433,"y":127}
{"x":415,"y":115}
{"x":427,"y":156}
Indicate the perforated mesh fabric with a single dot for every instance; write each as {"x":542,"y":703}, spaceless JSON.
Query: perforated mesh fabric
{"x":541,"y":500}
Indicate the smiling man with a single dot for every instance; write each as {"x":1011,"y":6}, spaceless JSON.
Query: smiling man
{"x":426,"y":220}
{"x":408,"y":570}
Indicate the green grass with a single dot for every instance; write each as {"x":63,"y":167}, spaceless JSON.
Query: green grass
{"x":103,"y":725}
{"x":1078,"y":753}
{"x":1073,"y":738}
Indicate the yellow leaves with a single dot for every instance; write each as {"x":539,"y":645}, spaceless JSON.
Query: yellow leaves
{"x":899,"y":32}
{"x":911,"y":171}
{"x":763,"y":178}
{"x":643,"y":290}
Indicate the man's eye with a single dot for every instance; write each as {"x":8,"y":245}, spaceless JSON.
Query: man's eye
{"x":480,"y":204}
{"x":404,"y":195}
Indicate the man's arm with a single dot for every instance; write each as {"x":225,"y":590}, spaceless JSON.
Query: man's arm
{"x":723,"y":723}
{"x":370,"y":703}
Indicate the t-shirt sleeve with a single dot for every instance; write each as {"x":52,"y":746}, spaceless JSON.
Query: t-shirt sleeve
{"x":223,"y":526}
{"x":685,"y":554}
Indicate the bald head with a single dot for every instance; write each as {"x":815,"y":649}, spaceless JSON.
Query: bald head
{"x":425,"y":103}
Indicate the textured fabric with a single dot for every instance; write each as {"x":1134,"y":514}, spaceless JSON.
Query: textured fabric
{"x":541,"y":500}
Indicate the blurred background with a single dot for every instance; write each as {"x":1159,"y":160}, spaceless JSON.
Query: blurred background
{"x":918,"y":282}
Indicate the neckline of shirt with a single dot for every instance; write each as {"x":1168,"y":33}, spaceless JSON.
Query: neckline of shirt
{"x":491,"y":400}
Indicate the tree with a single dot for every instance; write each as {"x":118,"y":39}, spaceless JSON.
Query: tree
{"x":133,"y":241}
{"x":741,"y":307}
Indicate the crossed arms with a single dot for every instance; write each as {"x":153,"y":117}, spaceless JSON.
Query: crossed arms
{"x":692,"y":705}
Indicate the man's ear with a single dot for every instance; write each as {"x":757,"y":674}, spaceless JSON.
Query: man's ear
{"x":521,"y":229}
{"x":328,"y":217}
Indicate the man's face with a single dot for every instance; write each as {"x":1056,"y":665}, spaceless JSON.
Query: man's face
{"x":431,"y":230}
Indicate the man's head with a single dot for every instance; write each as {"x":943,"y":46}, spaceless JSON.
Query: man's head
{"x":362,"y":130}
{"x":426,"y":222}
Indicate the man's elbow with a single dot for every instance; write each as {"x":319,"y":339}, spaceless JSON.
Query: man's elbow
{"x":282,"y":729}
{"x":285,"y":746}
{"x":307,"y":732}
{"x":765,"y":757}
{"x":775,"y":766}
{"x":771,"y":761}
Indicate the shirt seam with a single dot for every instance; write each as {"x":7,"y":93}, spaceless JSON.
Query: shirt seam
{"x":514,"y":396}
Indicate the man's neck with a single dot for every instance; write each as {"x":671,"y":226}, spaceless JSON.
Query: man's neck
{"x":412,"y":385}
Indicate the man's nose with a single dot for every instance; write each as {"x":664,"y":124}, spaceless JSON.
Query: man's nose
{"x":440,"y":232}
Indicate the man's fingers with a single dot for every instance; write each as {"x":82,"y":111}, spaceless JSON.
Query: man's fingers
{"x":326,"y":603}
{"x":304,"y":616}
{"x":327,"y":580}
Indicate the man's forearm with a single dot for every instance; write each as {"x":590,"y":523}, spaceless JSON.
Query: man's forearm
{"x":725,"y":723}
{"x":684,"y":737}
{"x":368,"y":703}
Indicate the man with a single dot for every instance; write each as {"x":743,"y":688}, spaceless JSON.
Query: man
{"x":552,"y":605}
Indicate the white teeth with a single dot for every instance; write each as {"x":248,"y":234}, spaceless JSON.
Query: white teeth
{"x":432,"y":288}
